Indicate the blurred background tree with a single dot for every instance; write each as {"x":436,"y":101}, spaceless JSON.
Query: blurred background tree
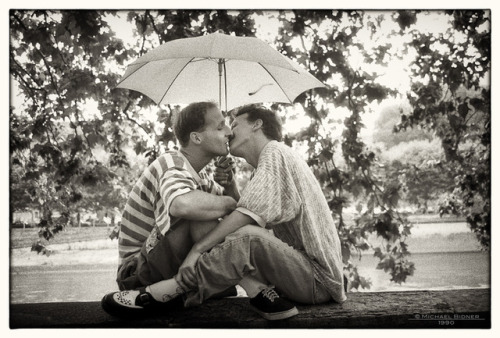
{"x":451,"y":97}
{"x":77,"y":142}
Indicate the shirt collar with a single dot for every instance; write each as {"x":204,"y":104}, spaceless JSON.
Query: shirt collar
{"x":190,"y":168}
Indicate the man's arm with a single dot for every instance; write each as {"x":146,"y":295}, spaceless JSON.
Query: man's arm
{"x":198,"y":205}
{"x":229,"y":224}
{"x":187,"y":275}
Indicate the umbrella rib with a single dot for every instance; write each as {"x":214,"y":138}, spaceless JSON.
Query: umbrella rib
{"x":131,"y":74}
{"x":172,"y":58}
{"x":271,"y":75}
{"x":146,"y":62}
{"x":175,"y":78}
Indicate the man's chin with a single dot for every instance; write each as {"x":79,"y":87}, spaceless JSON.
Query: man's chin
{"x":233,"y":152}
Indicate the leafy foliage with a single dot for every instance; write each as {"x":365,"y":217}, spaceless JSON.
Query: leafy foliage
{"x":386,"y":132}
{"x":356,"y":179}
{"x":39,"y":248}
{"x":453,"y":101}
{"x":66,"y":156}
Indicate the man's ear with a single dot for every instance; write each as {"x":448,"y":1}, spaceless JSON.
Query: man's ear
{"x":195,"y":137}
{"x":257,"y":124}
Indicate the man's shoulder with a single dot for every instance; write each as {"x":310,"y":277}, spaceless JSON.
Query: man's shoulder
{"x":275,"y":149}
{"x":171,"y":160}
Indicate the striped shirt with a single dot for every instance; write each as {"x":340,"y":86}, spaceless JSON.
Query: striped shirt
{"x":146,"y":216}
{"x":298,"y":215}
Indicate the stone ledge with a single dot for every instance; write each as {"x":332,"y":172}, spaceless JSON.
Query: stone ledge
{"x":469,"y":308}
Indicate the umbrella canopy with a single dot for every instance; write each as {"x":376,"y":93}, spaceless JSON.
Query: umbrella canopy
{"x":219,"y":67}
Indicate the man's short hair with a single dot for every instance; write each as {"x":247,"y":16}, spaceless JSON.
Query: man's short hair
{"x":191,"y":118}
{"x":271,"y":123}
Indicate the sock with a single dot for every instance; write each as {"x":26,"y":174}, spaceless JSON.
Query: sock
{"x":252,"y":286}
{"x":165,"y":290}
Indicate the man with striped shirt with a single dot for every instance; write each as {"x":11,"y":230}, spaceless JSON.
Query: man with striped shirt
{"x":174,"y":201}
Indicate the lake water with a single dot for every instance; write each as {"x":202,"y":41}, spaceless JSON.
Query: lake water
{"x":433,"y":271}
{"x":446,"y":256}
{"x":62,"y":283}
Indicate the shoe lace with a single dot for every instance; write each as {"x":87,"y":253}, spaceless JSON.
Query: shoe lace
{"x":270,"y":294}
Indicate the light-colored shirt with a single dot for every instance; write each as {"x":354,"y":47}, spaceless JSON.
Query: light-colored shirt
{"x":146,"y":215}
{"x":284,"y":195}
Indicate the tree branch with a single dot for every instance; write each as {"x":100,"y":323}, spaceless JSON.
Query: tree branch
{"x":20,"y":67}
{"x":157,"y":31}
{"x":134,"y":121}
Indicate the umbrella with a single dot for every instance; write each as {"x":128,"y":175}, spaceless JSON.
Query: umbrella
{"x":230,"y":69}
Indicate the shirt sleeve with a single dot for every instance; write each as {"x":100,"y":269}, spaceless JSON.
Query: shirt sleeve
{"x":175,"y":182}
{"x":271,"y":193}
{"x":260,"y":221}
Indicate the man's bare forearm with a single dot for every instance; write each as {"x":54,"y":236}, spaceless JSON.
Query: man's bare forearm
{"x":229,"y":224}
{"x":201,"y":206}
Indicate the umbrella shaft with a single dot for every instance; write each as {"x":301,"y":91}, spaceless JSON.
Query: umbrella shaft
{"x":220,"y":82}
{"x":221,"y":64}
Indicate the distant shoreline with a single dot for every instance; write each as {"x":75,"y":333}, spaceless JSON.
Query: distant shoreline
{"x":434,"y":218}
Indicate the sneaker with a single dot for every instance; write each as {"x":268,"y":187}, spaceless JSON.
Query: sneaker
{"x":133,"y":302}
{"x":271,"y":306}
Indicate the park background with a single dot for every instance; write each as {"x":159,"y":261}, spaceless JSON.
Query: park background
{"x":351,"y":200}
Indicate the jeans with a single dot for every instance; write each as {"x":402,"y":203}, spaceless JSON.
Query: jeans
{"x":253,"y":252}
{"x":164,"y":260}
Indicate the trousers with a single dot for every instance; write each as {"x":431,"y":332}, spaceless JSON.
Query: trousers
{"x":164,"y":260}
{"x":254,"y":252}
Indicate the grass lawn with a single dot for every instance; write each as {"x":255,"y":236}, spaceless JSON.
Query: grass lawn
{"x":20,"y":238}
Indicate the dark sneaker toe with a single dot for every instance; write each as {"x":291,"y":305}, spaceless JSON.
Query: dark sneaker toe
{"x":271,"y":306}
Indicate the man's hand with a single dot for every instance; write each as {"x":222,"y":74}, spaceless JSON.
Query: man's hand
{"x":187,"y":271}
{"x":224,"y":174}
